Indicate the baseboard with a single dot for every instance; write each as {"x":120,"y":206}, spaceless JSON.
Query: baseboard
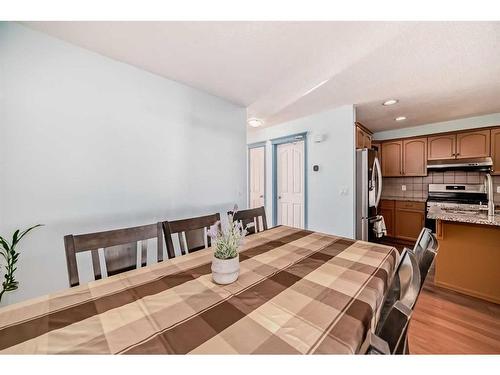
{"x":467,"y":292}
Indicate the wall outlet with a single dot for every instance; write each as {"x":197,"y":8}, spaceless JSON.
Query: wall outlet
{"x":498,"y":189}
{"x":403,"y":187}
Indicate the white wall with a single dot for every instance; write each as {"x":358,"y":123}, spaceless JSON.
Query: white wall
{"x":328,"y":210}
{"x":90,"y":144}
{"x":440,"y":127}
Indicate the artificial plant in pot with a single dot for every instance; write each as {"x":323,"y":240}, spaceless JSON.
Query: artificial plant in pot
{"x":10,"y":256}
{"x":226,"y":258}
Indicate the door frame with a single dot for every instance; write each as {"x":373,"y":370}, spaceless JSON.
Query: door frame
{"x":249,"y":147}
{"x":275,"y":143}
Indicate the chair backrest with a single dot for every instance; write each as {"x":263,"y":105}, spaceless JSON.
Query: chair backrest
{"x":395,"y":327}
{"x":119,"y":246}
{"x":397,"y":308}
{"x":191,"y":232}
{"x":425,"y":250}
{"x":424,"y":241}
{"x":250,"y":219}
{"x":404,"y":287}
{"x":408,"y":274}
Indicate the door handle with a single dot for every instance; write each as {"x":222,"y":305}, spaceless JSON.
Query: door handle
{"x":279,"y":196}
{"x":261,"y":196}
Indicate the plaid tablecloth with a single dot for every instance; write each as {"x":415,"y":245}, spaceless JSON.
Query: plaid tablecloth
{"x":298,"y":292}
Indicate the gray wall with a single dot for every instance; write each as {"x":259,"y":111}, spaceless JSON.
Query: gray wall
{"x":90,"y":144}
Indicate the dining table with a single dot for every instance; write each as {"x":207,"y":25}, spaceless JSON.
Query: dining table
{"x":298,"y":292}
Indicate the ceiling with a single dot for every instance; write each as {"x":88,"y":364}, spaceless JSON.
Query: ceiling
{"x":437,"y":70}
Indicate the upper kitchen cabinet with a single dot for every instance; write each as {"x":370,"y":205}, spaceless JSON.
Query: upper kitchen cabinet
{"x":462,"y":145}
{"x":415,"y":157}
{"x":359,"y":137}
{"x":367,"y":143}
{"x":441,"y":147}
{"x":392,"y":158}
{"x":474,"y":144}
{"x":404,"y":157}
{"x":363,"y":137}
{"x":495,"y":150}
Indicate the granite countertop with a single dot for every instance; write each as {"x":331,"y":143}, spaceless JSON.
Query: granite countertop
{"x":472,"y":217}
{"x":389,"y":198}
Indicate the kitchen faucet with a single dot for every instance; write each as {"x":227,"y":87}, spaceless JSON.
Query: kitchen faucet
{"x":489,"y":191}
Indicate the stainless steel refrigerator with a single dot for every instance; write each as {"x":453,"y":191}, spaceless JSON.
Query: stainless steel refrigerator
{"x":368,"y":192}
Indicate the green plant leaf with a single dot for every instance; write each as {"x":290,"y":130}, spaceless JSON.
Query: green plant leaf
{"x":11,"y":256}
{"x":15,"y":237}
{"x":24,"y":233}
{"x":4,"y":243}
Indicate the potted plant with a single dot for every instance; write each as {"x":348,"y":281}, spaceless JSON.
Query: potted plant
{"x":226,"y":259}
{"x":10,"y":255}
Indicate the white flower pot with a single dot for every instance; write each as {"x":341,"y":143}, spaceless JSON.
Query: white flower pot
{"x":225,"y":271}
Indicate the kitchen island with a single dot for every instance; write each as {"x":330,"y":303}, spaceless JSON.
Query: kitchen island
{"x":468,"y":259}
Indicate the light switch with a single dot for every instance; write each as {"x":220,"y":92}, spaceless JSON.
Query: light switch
{"x":498,"y":189}
{"x":403,"y":187}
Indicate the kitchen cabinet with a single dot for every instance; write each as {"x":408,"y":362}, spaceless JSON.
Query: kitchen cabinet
{"x":461,"y":145}
{"x":469,"y":272}
{"x":415,"y":157}
{"x":363,"y":137}
{"x":495,"y":150}
{"x":406,"y":157}
{"x":473,"y":144}
{"x":359,"y":137}
{"x":392,"y":160}
{"x":403,"y":219}
{"x":367,"y":141}
{"x":441,"y":147}
{"x":409,"y":219}
{"x":387,"y":211}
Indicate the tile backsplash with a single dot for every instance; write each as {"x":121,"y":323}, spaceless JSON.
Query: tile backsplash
{"x":418,"y":187}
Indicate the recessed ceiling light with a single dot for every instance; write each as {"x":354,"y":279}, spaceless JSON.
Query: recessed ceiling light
{"x":400,"y":118}
{"x":255,"y":122}
{"x":390,"y":102}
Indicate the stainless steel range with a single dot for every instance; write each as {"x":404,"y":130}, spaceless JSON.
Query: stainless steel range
{"x":457,"y":199}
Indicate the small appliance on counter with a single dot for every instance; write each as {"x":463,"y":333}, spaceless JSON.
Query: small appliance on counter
{"x":369,"y":225}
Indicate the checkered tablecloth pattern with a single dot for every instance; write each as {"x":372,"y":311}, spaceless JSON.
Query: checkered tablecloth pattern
{"x":299,"y":292}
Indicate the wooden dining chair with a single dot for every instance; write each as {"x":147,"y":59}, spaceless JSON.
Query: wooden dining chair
{"x":191,"y":233}
{"x":119,"y":247}
{"x":250,"y":219}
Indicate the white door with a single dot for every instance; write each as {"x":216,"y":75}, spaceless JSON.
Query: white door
{"x":290,"y":179}
{"x":257,"y":170}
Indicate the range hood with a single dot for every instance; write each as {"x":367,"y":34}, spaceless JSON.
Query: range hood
{"x":474,"y":164}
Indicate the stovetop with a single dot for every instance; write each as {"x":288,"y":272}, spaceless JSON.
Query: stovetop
{"x":458,"y":194}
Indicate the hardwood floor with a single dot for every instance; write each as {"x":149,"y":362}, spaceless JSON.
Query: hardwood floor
{"x":447,"y":322}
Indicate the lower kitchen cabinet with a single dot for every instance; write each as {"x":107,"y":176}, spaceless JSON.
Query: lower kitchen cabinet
{"x":403,"y":219}
{"x":387,"y":211}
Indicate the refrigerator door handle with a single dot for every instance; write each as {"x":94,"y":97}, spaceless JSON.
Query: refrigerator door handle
{"x":376,"y":163}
